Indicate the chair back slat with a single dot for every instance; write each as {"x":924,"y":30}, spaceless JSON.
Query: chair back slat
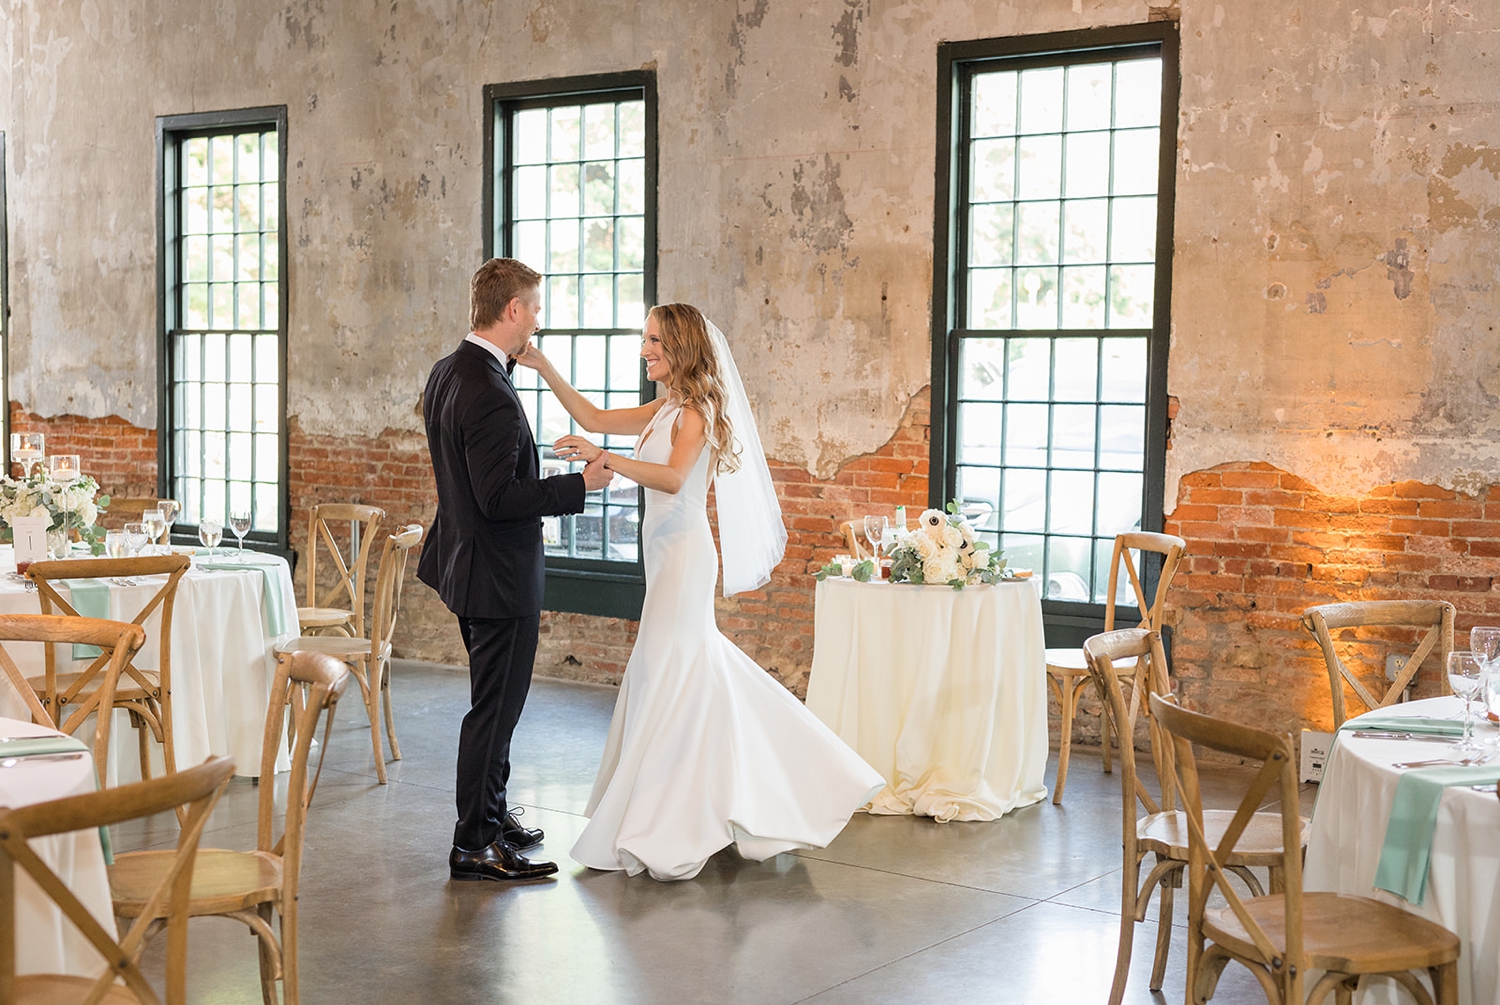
{"x":388,"y":582}
{"x":1436,"y":616}
{"x":1207,"y":871}
{"x":348,"y":586}
{"x":197,"y":788}
{"x":1169,"y":547}
{"x":306,"y":685}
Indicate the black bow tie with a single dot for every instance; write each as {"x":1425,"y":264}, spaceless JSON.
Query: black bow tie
{"x":510,"y":366}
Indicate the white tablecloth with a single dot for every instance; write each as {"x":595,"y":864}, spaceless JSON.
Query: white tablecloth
{"x":1463,"y":883}
{"x":46,"y":942}
{"x":223,"y":661}
{"x":943,"y":691}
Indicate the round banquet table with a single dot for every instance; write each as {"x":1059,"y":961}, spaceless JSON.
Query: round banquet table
{"x":46,"y":942}
{"x":223,"y":659}
{"x":1463,"y":883}
{"x":942,"y":691}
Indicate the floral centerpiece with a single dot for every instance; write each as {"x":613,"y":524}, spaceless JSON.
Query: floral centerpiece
{"x":69,"y":506}
{"x":944,"y":550}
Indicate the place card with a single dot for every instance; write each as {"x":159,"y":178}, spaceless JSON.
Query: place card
{"x":31,"y":539}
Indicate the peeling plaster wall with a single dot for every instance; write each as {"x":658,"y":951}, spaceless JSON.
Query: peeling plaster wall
{"x":796,"y":173}
{"x":1336,"y":257}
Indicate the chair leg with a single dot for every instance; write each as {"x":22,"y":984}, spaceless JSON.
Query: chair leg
{"x":1445,"y":983}
{"x":390,"y":717}
{"x":371,"y":688}
{"x":267,"y":960}
{"x":290,"y":991}
{"x":1129,"y":877}
{"x":1065,"y":739}
{"x":1163,"y":931}
{"x":143,"y":746}
{"x":1104,"y":731}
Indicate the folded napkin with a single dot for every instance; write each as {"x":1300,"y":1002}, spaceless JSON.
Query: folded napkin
{"x":56,"y":743}
{"x":1407,"y":852}
{"x":90,"y":598}
{"x":273,"y":607}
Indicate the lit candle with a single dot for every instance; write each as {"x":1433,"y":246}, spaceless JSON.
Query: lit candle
{"x":846,"y":563}
{"x":64,"y":468}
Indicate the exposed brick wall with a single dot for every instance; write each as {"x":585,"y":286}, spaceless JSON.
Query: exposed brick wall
{"x":120,"y":456}
{"x":1264,"y":544}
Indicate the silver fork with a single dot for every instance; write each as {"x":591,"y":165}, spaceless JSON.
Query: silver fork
{"x":1468,"y":762}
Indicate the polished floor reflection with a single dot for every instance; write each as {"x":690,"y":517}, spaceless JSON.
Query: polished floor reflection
{"x":896,"y":910}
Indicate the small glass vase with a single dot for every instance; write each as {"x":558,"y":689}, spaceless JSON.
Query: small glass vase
{"x":57,"y":543}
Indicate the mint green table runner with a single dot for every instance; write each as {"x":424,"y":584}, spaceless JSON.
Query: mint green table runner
{"x":273,"y":605}
{"x":52,"y":743}
{"x":90,"y":598}
{"x":1406,"y":853}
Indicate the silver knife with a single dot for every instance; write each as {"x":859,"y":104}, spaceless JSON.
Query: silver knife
{"x":11,"y":762}
{"x":1369,"y":734}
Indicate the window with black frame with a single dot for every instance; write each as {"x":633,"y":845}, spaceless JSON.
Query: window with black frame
{"x":1051,"y":359}
{"x":573,"y":196}
{"x":222,"y":264}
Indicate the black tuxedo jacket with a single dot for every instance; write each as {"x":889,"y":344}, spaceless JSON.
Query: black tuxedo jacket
{"x":484,"y":553}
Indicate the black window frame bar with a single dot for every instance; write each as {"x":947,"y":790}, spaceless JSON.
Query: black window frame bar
{"x":171,"y":131}
{"x":1065,"y":622}
{"x":577,"y":585}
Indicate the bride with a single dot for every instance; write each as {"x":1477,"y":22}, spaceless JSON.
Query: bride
{"x":705,"y":748}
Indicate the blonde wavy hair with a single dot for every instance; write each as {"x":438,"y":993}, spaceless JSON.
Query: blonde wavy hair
{"x":696,"y":378}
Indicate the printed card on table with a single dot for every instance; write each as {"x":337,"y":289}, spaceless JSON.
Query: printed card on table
{"x":31,"y":539}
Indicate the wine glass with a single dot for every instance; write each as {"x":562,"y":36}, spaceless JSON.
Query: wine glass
{"x":210,"y":532}
{"x":155,"y":523}
{"x":875,"y":531}
{"x":170,"y":510}
{"x":135,"y":536}
{"x":1466,"y":678}
{"x":116,"y":544}
{"x":239,"y":522}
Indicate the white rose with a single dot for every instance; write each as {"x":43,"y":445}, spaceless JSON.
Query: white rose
{"x":967,"y":530}
{"x":951,"y":536}
{"x":927,"y":548}
{"x":88,"y":513}
{"x":933,"y":571}
{"x":41,"y":511}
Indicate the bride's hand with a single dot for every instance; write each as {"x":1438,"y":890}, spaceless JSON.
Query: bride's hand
{"x":530,"y":356}
{"x":575,"y":448}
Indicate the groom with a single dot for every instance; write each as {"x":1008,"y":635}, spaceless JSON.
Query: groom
{"x":484,"y":555}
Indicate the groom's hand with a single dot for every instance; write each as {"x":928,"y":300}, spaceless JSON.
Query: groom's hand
{"x":596,"y":475}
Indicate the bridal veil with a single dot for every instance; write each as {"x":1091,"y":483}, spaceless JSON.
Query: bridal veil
{"x":752,"y":538}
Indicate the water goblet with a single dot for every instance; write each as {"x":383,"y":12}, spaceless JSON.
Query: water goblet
{"x":210,"y":532}
{"x":1484,"y":641}
{"x":116,"y":544}
{"x":155,"y":523}
{"x":170,"y":510}
{"x":239,"y":522}
{"x":1466,"y":678}
{"x":875,"y":531}
{"x":135,"y":536}
{"x":26,"y":449}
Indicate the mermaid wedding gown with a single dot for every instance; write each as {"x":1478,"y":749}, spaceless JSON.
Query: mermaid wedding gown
{"x":705,"y":748}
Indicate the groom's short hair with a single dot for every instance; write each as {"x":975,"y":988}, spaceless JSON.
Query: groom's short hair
{"x":495,"y":285}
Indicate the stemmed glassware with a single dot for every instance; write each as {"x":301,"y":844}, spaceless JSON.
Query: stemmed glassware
{"x":170,"y":509}
{"x":1466,"y":678}
{"x":156,"y":525}
{"x":876,"y":528}
{"x":26,"y":449}
{"x":1484,"y":641}
{"x":135,"y":536}
{"x":210,"y":532}
{"x":239,"y":522}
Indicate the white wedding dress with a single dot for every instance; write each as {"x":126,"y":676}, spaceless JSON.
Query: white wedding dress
{"x":705,"y":748}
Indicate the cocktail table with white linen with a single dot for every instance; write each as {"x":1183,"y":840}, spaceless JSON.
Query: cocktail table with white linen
{"x":224,"y":636}
{"x":46,"y":942}
{"x":942,"y":691}
{"x":1348,"y":838}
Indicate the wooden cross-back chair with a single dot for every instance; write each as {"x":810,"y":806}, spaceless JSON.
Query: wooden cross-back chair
{"x":1162,"y":831}
{"x":119,"y":643}
{"x":1067,"y":669}
{"x":1284,"y":936}
{"x":255,"y":887}
{"x":146,"y":693}
{"x":851,"y":531}
{"x":340,"y":608}
{"x":193,"y":793}
{"x":1436,"y":616}
{"x":370,"y":658}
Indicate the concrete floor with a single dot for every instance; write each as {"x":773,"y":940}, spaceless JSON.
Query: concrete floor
{"x":900,"y":910}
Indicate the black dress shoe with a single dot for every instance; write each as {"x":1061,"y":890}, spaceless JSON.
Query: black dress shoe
{"x":512,"y":832}
{"x":500,"y":861}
